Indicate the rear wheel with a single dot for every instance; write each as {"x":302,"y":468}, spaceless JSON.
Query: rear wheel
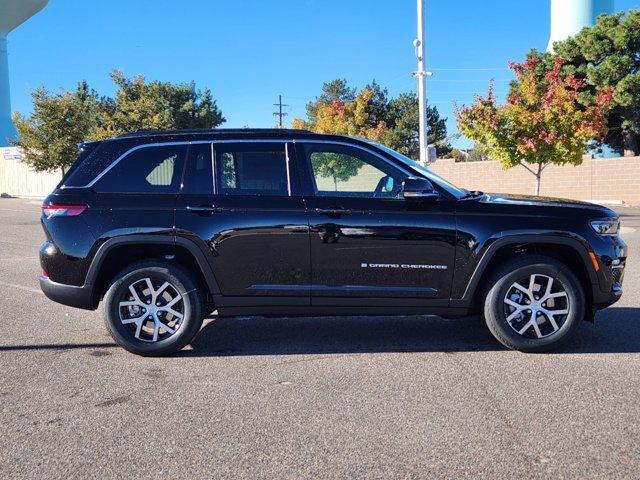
{"x":534,"y":304}
{"x":153,"y":308}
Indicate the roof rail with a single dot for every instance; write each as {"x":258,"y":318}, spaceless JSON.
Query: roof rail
{"x":270,"y":131}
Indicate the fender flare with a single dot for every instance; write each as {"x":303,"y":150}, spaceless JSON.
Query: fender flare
{"x":579,"y":245}
{"x":191,"y":247}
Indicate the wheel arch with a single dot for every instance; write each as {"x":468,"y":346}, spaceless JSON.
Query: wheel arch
{"x":567,"y":250}
{"x":114,"y":254}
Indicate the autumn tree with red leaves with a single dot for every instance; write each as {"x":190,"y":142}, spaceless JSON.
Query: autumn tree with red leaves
{"x":541,"y":122}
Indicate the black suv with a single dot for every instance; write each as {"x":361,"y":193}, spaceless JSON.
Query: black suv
{"x":166,"y":227}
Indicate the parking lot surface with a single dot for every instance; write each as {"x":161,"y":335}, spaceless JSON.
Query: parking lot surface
{"x":385,"y":397}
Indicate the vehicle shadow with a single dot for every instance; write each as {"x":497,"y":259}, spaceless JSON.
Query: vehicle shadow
{"x":615,"y":330}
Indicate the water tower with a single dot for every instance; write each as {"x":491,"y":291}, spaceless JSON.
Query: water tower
{"x":12,"y":14}
{"x":568,"y":17}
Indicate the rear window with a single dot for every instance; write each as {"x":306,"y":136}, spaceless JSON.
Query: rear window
{"x":93,"y":160}
{"x":154,"y":169}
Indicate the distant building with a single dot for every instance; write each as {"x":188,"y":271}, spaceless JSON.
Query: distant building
{"x":568,"y":17}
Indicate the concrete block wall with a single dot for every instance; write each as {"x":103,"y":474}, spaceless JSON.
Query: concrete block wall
{"x":596,"y":179}
{"x":17,"y":179}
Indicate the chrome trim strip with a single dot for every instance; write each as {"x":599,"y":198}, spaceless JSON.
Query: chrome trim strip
{"x":213,"y":170}
{"x":286,"y":156}
{"x":166,"y":144}
{"x":344,"y":288}
{"x":243,"y":140}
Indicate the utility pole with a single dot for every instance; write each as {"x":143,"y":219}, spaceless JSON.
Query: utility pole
{"x":421,"y":76}
{"x":279,"y":113}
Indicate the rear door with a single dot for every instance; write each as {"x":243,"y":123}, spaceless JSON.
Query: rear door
{"x":241,"y":203}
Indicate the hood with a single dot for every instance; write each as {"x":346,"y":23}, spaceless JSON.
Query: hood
{"x":507,"y":199}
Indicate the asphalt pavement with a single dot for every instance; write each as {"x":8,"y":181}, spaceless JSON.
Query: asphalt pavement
{"x":252,"y":398}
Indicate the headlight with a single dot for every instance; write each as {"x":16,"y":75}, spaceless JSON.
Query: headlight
{"x":606,"y":226}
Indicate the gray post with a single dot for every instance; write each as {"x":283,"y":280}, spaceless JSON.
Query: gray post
{"x":12,"y":14}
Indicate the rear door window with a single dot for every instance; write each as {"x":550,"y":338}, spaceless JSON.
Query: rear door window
{"x":252,"y":169}
{"x":154,"y":169}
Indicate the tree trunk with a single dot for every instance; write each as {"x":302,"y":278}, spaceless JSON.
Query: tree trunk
{"x":630,"y":143}
{"x":538,"y":175}
{"x":63,"y":170}
{"x":335,"y":183}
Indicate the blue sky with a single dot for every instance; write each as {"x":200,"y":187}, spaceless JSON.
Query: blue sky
{"x":249,"y":51}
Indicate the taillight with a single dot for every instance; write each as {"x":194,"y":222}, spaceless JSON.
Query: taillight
{"x":55,"y":210}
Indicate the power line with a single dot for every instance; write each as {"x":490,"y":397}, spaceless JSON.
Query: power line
{"x":280,"y":113}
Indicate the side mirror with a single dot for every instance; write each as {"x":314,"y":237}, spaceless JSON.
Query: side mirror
{"x":419,"y":189}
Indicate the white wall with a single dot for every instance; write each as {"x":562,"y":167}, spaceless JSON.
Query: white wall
{"x":17,"y":179}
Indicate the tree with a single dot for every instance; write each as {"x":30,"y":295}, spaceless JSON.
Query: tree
{"x":404,"y":126}
{"x":49,"y":137}
{"x":336,"y":166}
{"x":60,"y":121}
{"x":157,"y":106}
{"x":540,"y":123}
{"x":334,"y":90}
{"x":399,"y":115}
{"x":344,"y":118}
{"x":607,"y":57}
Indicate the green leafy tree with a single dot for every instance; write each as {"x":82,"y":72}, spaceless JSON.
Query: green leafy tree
{"x":607,"y":57}
{"x":157,"y":106}
{"x":398,"y":115}
{"x":403,"y":127}
{"x":335,"y":166}
{"x":540,"y":123}
{"x":49,"y":137}
{"x":337,"y":89}
{"x":60,"y":121}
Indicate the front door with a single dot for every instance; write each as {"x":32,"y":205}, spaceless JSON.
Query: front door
{"x":248,"y":215}
{"x":366,"y":239}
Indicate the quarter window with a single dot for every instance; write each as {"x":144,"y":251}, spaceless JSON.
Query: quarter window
{"x":146,"y":170}
{"x":259,"y":169}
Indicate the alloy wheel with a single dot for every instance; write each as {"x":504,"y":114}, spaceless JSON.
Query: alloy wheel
{"x":153,"y":309}
{"x":537,"y":306}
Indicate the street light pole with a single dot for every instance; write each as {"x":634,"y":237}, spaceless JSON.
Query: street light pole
{"x":421,"y":76}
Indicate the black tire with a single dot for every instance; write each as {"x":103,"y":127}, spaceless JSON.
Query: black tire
{"x":191,"y":304}
{"x":501,"y":283}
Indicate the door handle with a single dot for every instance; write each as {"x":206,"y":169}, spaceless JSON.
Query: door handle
{"x":333,"y":212}
{"x":204,"y":209}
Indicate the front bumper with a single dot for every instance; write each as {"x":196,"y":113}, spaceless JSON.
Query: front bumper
{"x":71,"y":295}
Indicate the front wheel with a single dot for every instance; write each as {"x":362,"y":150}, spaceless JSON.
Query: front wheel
{"x":153,"y":308}
{"x":534,"y":304}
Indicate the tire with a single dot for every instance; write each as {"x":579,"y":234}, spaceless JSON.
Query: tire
{"x":508,"y":309}
{"x":178,"y":307}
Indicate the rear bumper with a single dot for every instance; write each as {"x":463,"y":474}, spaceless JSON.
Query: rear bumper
{"x":71,"y":295}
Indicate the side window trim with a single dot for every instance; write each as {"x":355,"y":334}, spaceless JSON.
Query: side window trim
{"x":288,"y":162}
{"x":214,"y":174}
{"x":285,"y":142}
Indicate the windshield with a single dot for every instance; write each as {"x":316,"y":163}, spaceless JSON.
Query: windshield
{"x":417,"y":167}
